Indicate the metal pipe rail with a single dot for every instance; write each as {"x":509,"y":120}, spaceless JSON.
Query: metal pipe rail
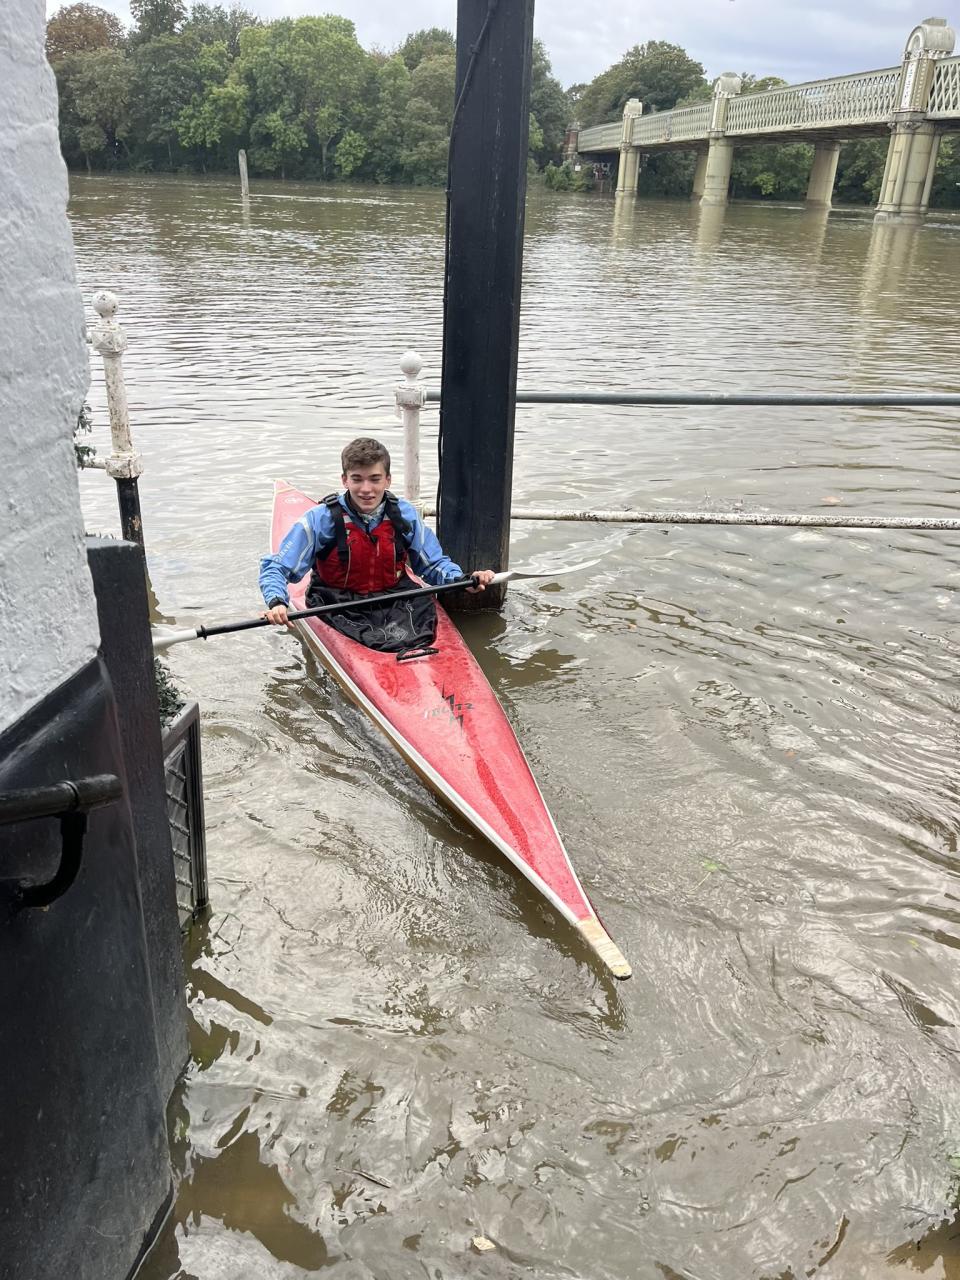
{"x":772,"y":519}
{"x":919,"y":400}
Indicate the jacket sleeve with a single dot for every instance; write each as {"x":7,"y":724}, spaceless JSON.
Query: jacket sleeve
{"x":426,"y":555}
{"x":298,"y":551}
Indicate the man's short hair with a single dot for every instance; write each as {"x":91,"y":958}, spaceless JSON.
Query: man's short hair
{"x":364,"y":452}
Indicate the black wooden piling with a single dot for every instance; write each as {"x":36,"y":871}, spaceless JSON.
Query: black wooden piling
{"x":486,"y":189}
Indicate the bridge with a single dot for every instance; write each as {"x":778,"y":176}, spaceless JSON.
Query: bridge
{"x":913,"y":104}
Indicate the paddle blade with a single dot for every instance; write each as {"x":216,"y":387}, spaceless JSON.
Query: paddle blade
{"x":509,"y":574}
{"x":605,"y":947}
{"x":161,"y":642}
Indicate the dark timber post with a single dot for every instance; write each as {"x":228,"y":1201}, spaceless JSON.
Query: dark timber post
{"x":487,"y":185}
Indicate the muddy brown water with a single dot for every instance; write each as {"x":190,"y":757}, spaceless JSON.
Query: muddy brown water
{"x":748,"y":738}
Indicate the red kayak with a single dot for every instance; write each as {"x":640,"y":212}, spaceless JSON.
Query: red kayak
{"x":444,"y":719}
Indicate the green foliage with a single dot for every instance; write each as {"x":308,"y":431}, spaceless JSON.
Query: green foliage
{"x":169,"y":697}
{"x":667,"y":173}
{"x":95,"y":91}
{"x":780,"y":171}
{"x":351,"y":153}
{"x":945,"y":192}
{"x":658,"y":73}
{"x":432,"y":43}
{"x":152,"y":18}
{"x":428,"y":120}
{"x":860,"y":171}
{"x":549,"y":109}
{"x":565,"y":178}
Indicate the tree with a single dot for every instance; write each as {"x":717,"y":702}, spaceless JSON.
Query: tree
{"x":154,"y":18}
{"x":94,"y":104}
{"x":305,"y":80}
{"x":167,"y":76}
{"x":658,"y":73}
{"x":385,"y":158}
{"x":215,"y":24}
{"x":433,"y":42}
{"x":80,"y":28}
{"x":217,"y":113}
{"x":429,"y":118}
{"x":549,"y":109}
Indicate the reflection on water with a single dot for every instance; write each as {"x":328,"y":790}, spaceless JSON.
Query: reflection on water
{"x":747,"y":737}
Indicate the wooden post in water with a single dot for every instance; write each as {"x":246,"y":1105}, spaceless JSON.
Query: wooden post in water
{"x":487,"y":185}
{"x":244,"y":180}
{"x":124,"y":464}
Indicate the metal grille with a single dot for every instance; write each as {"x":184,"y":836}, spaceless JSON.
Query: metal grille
{"x":601,"y":137}
{"x":868,"y":98}
{"x":681,"y":125}
{"x":945,"y":91}
{"x":184,"y":785}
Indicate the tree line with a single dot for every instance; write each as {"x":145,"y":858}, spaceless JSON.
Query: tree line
{"x":183,"y":89}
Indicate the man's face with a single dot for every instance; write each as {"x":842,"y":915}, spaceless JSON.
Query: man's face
{"x":366,"y":486}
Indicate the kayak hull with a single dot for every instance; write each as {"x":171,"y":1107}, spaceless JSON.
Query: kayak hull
{"x":441,"y":714}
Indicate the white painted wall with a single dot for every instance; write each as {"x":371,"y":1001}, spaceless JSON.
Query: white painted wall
{"x":48,"y":621}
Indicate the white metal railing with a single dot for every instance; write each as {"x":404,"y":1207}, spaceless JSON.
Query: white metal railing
{"x":868,"y":98}
{"x":601,"y":137}
{"x":945,"y":92}
{"x":682,"y":125}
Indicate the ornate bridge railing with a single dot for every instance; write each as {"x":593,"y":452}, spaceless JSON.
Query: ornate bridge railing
{"x":682,"y":125}
{"x":602,"y":137}
{"x":867,"y":98}
{"x":945,"y":93}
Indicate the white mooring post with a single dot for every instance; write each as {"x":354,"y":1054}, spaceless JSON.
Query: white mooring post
{"x":124,"y":464}
{"x":244,"y":180}
{"x":410,"y":398}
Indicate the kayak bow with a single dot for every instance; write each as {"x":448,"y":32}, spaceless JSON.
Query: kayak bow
{"x":441,"y":714}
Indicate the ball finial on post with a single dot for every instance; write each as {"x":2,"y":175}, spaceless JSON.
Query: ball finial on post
{"x":105,"y":304}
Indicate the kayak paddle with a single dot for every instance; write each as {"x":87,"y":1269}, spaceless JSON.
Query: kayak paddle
{"x":389,"y":597}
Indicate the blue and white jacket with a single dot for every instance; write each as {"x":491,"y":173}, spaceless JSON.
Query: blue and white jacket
{"x":314,"y":532}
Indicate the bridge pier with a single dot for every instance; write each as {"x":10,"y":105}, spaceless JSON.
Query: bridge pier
{"x":908,"y":176}
{"x":914,"y":140}
{"x":823,"y":174}
{"x":716,"y":172}
{"x":699,"y":176}
{"x":628,"y":170}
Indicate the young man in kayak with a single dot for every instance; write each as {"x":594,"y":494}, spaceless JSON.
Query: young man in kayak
{"x":358,"y":543}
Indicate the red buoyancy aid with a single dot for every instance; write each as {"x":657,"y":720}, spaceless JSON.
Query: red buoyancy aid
{"x":361,"y":561}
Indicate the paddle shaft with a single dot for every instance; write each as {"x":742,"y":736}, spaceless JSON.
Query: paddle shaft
{"x":361,"y":602}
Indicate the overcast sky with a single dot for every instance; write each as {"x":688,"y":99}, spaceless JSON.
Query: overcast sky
{"x":796,"y":39}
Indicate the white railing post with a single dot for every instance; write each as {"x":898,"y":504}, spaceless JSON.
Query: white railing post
{"x":124,"y":464}
{"x":410,"y":398}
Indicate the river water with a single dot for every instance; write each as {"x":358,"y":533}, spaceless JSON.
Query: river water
{"x":748,"y":738}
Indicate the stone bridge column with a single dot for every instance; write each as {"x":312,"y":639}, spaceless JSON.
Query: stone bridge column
{"x":629,"y":169}
{"x":571,"y":141}
{"x":719,"y":162}
{"x":823,"y":174}
{"x":914,"y":140}
{"x":699,"y":176}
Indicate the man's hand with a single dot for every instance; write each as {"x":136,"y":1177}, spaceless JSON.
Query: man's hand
{"x":277,"y":614}
{"x":482,"y":579}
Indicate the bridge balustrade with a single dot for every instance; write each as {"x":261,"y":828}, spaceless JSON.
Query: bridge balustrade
{"x":867,"y":98}
{"x":684,"y":124}
{"x":944,"y":100}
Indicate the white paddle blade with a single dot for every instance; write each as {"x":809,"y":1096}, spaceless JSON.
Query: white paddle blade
{"x":508,"y":574}
{"x":172,"y":637}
